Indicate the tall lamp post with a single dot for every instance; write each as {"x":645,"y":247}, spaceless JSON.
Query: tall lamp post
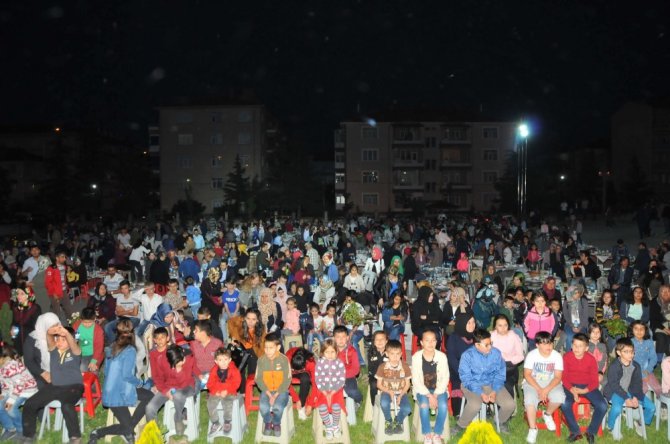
{"x":523,"y":131}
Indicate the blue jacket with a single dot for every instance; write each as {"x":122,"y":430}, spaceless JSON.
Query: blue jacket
{"x":120,"y":386}
{"x":189,"y":267}
{"x":645,"y":355}
{"x":477,"y":370}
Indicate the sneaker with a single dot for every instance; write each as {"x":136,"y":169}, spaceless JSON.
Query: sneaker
{"x":428,"y":439}
{"x":504,"y":427}
{"x":267,"y":430}
{"x":398,"y":428}
{"x":93,"y":437}
{"x":329,"y":434}
{"x":337,"y":432}
{"x":437,"y":439}
{"x":590,"y":438}
{"x":532,"y":436}
{"x":7,"y":435}
{"x":301,"y":414}
{"x":549,"y":422}
{"x":227,"y":426}
{"x":389,"y":427}
{"x":573,"y":438}
{"x":639,"y":428}
{"x":214,"y":429}
{"x":277,"y":429}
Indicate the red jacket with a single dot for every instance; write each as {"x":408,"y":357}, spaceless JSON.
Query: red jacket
{"x":53,"y":282}
{"x":167,"y":378}
{"x":230,"y":385}
{"x":350,"y":359}
{"x":580,"y":371}
{"x":98,"y":341}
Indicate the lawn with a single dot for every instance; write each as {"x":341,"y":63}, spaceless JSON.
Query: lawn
{"x":361,"y":432}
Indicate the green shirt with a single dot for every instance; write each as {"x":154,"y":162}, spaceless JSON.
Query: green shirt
{"x":86,"y":339}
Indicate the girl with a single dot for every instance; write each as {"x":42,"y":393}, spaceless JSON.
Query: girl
{"x":645,"y":355}
{"x":511,"y":349}
{"x":329,"y":321}
{"x":457,"y":344}
{"x":598,"y":350}
{"x":313,"y":326}
{"x":606,"y":308}
{"x":302,"y":298}
{"x":329,"y":378}
{"x":539,"y":318}
{"x":292,"y":318}
{"x":104,"y":304}
{"x":391,"y":283}
{"x":636,"y":308}
{"x":533,"y":257}
{"x":17,"y":386}
{"x":120,"y":388}
{"x":575,"y":311}
{"x":394,"y":316}
{"x":354,"y":281}
{"x":24,"y":314}
{"x":302,"y":368}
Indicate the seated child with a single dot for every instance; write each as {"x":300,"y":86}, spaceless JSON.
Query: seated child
{"x":347,"y":354}
{"x":376,"y":356}
{"x":330,"y":376}
{"x":273,"y":378}
{"x":223,"y":383}
{"x":91,"y":340}
{"x":329,"y":321}
{"x":313,"y":326}
{"x":302,"y":368}
{"x":291,"y":318}
{"x":542,"y":373}
{"x":624,"y":386}
{"x":598,"y":349}
{"x":393,"y":381}
{"x":17,"y":386}
{"x":559,"y":338}
{"x":645,"y":355}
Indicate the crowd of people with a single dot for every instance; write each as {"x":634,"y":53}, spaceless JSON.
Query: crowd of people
{"x":165,"y":312}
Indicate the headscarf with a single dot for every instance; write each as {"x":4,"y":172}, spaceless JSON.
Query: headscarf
{"x":213,"y":275}
{"x":325,"y":283}
{"x":29,"y":301}
{"x":550,"y":293}
{"x":242,"y":248}
{"x":158,"y":319}
{"x":267,"y":309}
{"x":459,"y":328}
{"x":400,"y":266}
{"x":44,"y":322}
{"x":376,"y":253}
{"x":570,"y":292}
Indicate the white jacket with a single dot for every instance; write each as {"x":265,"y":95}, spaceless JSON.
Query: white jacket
{"x":442,"y":373}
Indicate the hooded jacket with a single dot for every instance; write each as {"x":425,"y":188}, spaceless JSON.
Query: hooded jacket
{"x":535,"y":322}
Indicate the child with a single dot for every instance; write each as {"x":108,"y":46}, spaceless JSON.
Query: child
{"x":330,"y":377}
{"x":17,"y":386}
{"x":508,"y":309}
{"x":291,"y":318}
{"x":273,"y":377}
{"x":313,"y":325}
{"x":376,"y":356}
{"x":538,"y":318}
{"x":347,"y":354}
{"x":511,"y":349}
{"x":91,"y":340}
{"x":231,"y":305}
{"x":598,"y":349}
{"x":576,"y":314}
{"x":542,"y":372}
{"x":205,"y":314}
{"x":557,"y":310}
{"x":193,"y":296}
{"x":645,"y":355}
{"x":520,"y":306}
{"x":393,"y":380}
{"x":329,"y":321}
{"x":357,"y":332}
{"x":223,"y":383}
{"x":302,"y":369}
{"x":394,"y":316}
{"x":624,"y":386}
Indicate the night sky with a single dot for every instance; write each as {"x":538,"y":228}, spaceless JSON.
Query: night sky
{"x":566,"y":64}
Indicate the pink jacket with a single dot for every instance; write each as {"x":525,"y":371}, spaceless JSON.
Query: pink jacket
{"x":534,"y":322}
{"x":292,"y":320}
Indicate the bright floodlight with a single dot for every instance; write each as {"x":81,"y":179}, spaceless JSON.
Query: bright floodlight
{"x":524,"y":131}
{"x":562,"y":177}
{"x":94,"y":186}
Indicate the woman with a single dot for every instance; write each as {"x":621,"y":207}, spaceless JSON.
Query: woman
{"x":324,"y":293}
{"x":511,"y":349}
{"x":636,"y":308}
{"x":354,"y":281}
{"x":557,"y":261}
{"x":426,"y":313}
{"x":491,"y":256}
{"x":103,"y":304}
{"x":24,"y":315}
{"x":421,"y":258}
{"x":249,"y":333}
{"x":159,"y":272}
{"x":36,"y":351}
{"x":304,"y":272}
{"x":456,"y":305}
{"x":177,"y":328}
{"x":242,"y":256}
{"x":389,"y":284}
{"x":250,"y":290}
{"x":211,"y":292}
{"x":271,"y":314}
{"x":120,"y":388}
{"x":518,"y":280}
{"x":549,"y":289}
{"x":394,"y":316}
{"x":460,"y":341}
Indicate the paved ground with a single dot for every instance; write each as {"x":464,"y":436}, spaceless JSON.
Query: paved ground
{"x":598,"y":234}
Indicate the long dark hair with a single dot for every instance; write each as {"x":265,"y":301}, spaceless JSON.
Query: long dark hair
{"x":258,"y":330}
{"x":97,"y":288}
{"x":125,"y":336}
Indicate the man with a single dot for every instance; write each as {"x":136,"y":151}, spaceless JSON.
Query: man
{"x":126,"y":306}
{"x":33,"y":270}
{"x":620,"y":279}
{"x":112,"y":280}
{"x":482,"y":372}
{"x":56,"y":285}
{"x":203,"y":347}
{"x":31,"y":266}
{"x":149,"y":301}
{"x":580,"y":378}
{"x":590,"y":268}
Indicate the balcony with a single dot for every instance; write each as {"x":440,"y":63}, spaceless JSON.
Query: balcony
{"x":456,"y":135}
{"x":339,"y":138}
{"x":456,"y":163}
{"x":408,"y":186}
{"x":407,"y":136}
{"x":404,"y":158}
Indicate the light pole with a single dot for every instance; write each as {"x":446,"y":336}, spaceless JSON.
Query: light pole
{"x":523,"y":131}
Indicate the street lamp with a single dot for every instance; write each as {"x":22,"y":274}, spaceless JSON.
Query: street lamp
{"x":94,"y":186}
{"x":523,"y":132}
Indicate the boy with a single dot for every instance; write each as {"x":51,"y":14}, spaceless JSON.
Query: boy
{"x":580,"y":378}
{"x":193,"y":296}
{"x":347,"y":354}
{"x":158,"y":358}
{"x":376,"y":356}
{"x":204,"y":348}
{"x":91,"y":340}
{"x":223,"y":383}
{"x":508,"y":309}
{"x":126,"y":306}
{"x":231,"y":305}
{"x":482,"y":371}
{"x":542,"y":372}
{"x":624,"y":386}
{"x":273,"y":378}
{"x":393,"y":380}
{"x":205,"y":314}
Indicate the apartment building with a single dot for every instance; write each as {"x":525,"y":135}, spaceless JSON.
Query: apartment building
{"x":198,"y":145}
{"x":383,"y":166}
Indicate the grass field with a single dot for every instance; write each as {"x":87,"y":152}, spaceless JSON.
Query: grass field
{"x":362,"y":433}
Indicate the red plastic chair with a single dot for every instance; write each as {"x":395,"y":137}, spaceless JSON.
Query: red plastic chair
{"x":92,"y":392}
{"x":585,"y":413}
{"x":249,"y":397}
{"x":541,"y":425}
{"x":404,"y":349}
{"x":415,"y":344}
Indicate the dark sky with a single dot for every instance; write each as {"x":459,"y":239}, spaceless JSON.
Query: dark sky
{"x":568,"y":64}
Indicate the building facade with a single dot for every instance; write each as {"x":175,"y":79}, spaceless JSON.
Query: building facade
{"x":198,"y":145}
{"x":390,"y":166}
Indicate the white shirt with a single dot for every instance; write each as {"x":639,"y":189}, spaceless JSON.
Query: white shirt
{"x":138,"y":253}
{"x":542,"y":369}
{"x":113,"y":282}
{"x":149,"y":305}
{"x":124,"y":239}
{"x":31,"y":263}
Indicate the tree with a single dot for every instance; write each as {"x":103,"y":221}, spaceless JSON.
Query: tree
{"x":237,"y":190}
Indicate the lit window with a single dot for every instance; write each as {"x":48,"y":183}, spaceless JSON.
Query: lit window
{"x":370,"y":176}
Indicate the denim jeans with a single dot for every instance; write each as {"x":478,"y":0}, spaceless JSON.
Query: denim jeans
{"x":355,"y":339}
{"x":352,"y":391}
{"x":599,"y":404}
{"x":223,"y":323}
{"x":314,"y":335}
{"x":424,"y":413}
{"x":403,"y":408}
{"x":273,"y":413}
{"x":569,"y":334}
{"x":11,"y":420}
{"x":617,"y":407}
{"x":395,"y":331}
